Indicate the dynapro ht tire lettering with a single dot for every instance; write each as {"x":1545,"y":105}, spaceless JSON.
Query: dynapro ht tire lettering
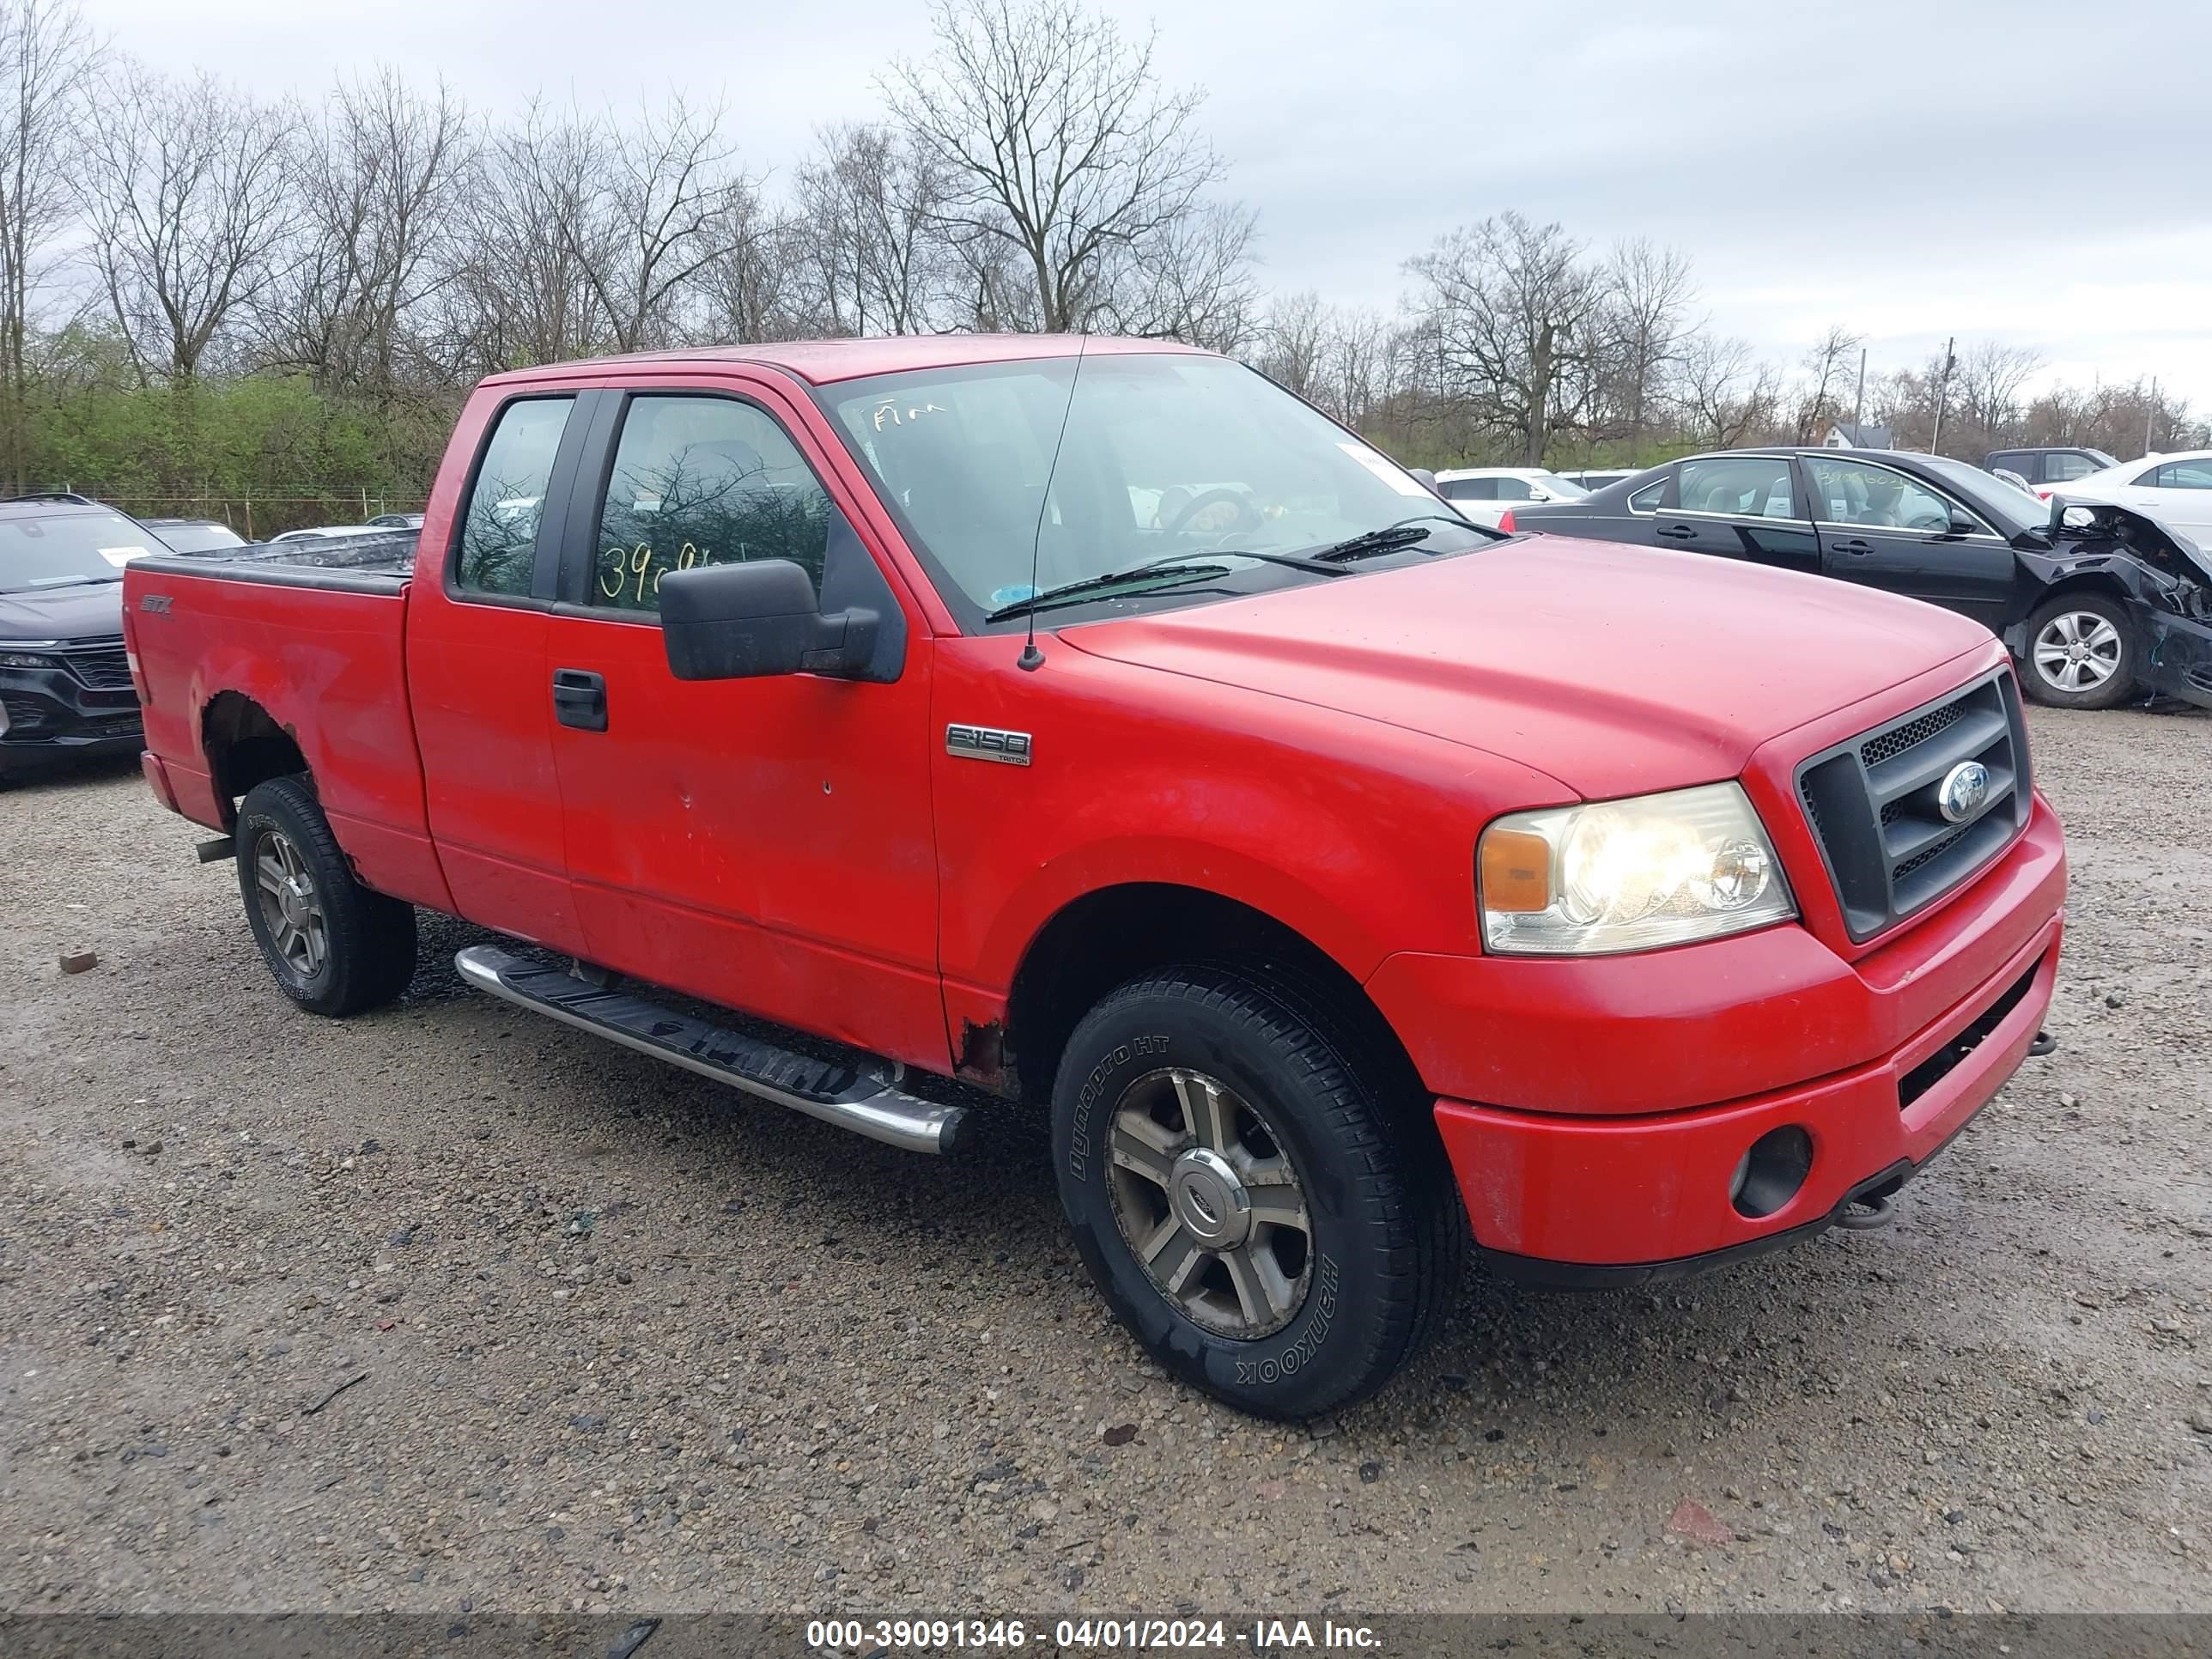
{"x":1252,"y":1211}
{"x":333,"y":946}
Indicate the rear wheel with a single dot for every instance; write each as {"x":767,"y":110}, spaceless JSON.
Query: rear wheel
{"x":2081,"y":652}
{"x":1247,"y":1206}
{"x":334,"y":946}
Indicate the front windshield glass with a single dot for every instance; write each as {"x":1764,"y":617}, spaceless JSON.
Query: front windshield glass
{"x":68,"y":549}
{"x":1167,"y":457}
{"x":2003,"y":504}
{"x":1560,"y":489}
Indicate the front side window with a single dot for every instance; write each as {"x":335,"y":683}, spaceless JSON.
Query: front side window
{"x":1169,"y":458}
{"x":499,"y":533}
{"x":1855,"y":493}
{"x":1469,"y":490}
{"x":1514,"y":489}
{"x":2058,"y":469}
{"x":702,"y":481}
{"x":1743,"y":486}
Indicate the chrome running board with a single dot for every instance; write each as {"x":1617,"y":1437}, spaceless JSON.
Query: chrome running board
{"x":837,"y":1091}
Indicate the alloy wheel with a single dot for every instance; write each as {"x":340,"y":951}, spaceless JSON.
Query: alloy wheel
{"x":1209,"y":1202}
{"x":2077,"y":651}
{"x":291,"y":909}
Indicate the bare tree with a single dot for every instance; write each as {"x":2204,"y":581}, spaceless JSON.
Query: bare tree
{"x":378,"y":175}
{"x":1512,"y":307}
{"x":1057,"y":142}
{"x":1649,"y":290}
{"x":759,"y":285}
{"x":525,"y":294}
{"x":1988,"y":384}
{"x":185,"y":185}
{"x":47,"y":56}
{"x":1725,"y":391}
{"x":1190,"y":280}
{"x":662,"y":192}
{"x":1294,"y":342}
{"x":871,"y":199}
{"x":1827,"y":369}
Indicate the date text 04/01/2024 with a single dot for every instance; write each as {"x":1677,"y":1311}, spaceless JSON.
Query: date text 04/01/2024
{"x":1262,"y":1635}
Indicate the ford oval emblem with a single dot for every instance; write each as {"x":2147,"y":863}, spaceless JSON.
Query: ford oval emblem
{"x":1966,"y":787}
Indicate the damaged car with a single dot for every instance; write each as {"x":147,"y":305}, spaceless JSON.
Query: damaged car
{"x":2100,"y":603}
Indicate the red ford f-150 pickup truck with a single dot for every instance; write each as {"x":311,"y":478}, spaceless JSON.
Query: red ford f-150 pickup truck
{"x":1099,"y":725}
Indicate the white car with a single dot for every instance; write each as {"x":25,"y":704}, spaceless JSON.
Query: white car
{"x":1485,"y":494}
{"x":2175,"y":489}
{"x":321,"y":532}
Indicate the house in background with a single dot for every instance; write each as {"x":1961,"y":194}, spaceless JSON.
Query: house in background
{"x":1857,"y":434}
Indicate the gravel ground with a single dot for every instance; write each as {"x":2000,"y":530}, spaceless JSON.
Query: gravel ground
{"x":446,"y":1308}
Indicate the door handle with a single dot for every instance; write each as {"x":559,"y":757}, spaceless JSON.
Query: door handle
{"x":579,"y":699}
{"x":1856,"y":545}
{"x":1677,"y":532}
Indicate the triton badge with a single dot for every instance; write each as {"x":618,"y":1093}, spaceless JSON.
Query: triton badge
{"x":988,"y":744}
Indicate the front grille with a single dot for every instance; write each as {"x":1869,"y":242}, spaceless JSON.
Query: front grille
{"x":101,"y":666}
{"x":1872,"y":803}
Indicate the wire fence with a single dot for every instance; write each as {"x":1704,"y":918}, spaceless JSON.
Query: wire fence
{"x":256,"y":518}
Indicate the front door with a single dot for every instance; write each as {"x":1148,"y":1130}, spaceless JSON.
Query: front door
{"x":765,"y":844}
{"x":1738,"y":506}
{"x":1884,"y":528}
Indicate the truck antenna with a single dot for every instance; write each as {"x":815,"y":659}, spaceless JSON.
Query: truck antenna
{"x":1032,"y":658}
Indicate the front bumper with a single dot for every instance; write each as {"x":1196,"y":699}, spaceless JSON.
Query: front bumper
{"x":1590,"y":1150}
{"x":2179,"y":652}
{"x":50,"y":718}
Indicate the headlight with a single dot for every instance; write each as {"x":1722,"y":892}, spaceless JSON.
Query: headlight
{"x":25,"y":659}
{"x":1629,"y":875}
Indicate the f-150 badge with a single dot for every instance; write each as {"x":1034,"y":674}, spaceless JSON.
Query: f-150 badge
{"x":987,"y":743}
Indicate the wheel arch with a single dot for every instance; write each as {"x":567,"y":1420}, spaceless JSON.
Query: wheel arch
{"x":1111,"y":934}
{"x":245,"y":745}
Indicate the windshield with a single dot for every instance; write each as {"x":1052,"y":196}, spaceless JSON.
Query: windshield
{"x":198,"y":537}
{"x":1167,"y":457}
{"x":2004,"y":505}
{"x":68,"y":549}
{"x":1560,"y":489}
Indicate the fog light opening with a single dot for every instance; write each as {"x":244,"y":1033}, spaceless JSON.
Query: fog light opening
{"x":1771,"y":1172}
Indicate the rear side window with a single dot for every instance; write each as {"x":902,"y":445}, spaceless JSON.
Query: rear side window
{"x":1743,"y":486}
{"x":499,"y":533}
{"x":2184,"y":475}
{"x":703,"y":481}
{"x":1469,"y":490}
{"x":1647,"y":500}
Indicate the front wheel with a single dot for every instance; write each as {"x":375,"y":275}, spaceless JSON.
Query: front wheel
{"x":1248,"y":1207}
{"x":334,"y":946}
{"x":2081,"y":652}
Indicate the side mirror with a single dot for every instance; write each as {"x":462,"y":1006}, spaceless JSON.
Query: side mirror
{"x":737,"y":621}
{"x":1962,"y":523}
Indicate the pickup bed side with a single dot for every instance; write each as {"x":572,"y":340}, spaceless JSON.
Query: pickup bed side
{"x":253,"y":670}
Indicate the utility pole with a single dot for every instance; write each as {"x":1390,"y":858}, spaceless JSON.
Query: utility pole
{"x":1942,"y":392}
{"x":2150,"y":414}
{"x":1859,"y":403}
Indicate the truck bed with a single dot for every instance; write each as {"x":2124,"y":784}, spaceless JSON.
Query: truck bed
{"x":357,"y":564}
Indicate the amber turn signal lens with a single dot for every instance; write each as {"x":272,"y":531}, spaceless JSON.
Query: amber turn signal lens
{"x":1516,"y":871}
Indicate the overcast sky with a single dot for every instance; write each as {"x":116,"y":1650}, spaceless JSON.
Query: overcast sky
{"x":2031,"y":170}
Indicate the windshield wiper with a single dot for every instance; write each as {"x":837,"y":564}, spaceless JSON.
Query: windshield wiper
{"x":71,"y":581}
{"x":1176,"y":567}
{"x":1389,"y":537}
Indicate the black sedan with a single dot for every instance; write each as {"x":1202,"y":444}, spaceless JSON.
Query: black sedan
{"x":2097,"y":604}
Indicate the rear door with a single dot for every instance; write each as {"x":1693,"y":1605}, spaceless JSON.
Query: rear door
{"x":1746,"y":506}
{"x":766,"y":844}
{"x":2179,"y":494}
{"x":1883,"y":527}
{"x":476,"y":665}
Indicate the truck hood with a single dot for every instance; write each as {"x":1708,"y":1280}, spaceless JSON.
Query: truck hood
{"x":92,"y":611}
{"x":1614,"y":669}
